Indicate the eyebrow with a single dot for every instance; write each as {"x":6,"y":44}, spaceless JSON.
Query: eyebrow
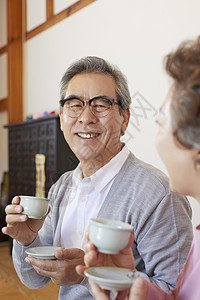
{"x":73,"y":96}
{"x":81,"y":98}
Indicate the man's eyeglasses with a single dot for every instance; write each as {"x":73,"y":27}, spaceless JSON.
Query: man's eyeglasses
{"x":100,"y":105}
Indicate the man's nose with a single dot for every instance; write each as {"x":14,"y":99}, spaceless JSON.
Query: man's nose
{"x":87,"y":115}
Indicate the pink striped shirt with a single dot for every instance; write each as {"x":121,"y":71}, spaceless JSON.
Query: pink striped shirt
{"x":188,"y":281}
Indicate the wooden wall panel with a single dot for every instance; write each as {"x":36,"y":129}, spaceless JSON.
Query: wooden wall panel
{"x":49,"y":8}
{"x":3,"y":104}
{"x":15,"y":60}
{"x":16,"y":30}
{"x":3,"y":49}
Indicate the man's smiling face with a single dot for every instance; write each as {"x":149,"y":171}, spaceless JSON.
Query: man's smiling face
{"x":94,"y":138}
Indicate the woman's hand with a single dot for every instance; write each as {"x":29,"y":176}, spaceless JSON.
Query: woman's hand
{"x":93,"y":258}
{"x":138,"y":291}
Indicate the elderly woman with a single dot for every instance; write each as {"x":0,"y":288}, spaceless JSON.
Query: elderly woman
{"x":178,"y":144}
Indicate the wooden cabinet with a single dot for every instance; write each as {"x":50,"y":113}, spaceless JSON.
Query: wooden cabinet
{"x":26,"y":139}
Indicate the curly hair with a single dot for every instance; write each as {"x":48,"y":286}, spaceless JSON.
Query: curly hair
{"x":183,"y":65}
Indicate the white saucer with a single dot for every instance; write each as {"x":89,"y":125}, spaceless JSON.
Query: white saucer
{"x":114,"y":279}
{"x":46,"y":252}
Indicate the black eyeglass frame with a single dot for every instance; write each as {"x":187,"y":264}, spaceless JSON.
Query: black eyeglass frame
{"x":111,"y":100}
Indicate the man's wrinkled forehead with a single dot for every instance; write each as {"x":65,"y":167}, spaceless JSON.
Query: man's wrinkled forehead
{"x":88,"y":85}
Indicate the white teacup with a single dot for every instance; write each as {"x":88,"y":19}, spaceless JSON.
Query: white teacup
{"x":34,"y":207}
{"x":109,"y":236}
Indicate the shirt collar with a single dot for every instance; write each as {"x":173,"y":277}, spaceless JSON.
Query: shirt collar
{"x":104,"y":175}
{"x":77,"y":175}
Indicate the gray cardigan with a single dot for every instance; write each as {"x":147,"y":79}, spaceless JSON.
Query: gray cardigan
{"x":140,"y":195}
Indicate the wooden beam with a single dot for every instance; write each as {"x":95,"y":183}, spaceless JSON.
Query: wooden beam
{"x":58,"y":17}
{"x":15,"y":60}
{"x":3,"y":104}
{"x":25,"y":16}
{"x":49,"y":9}
{"x":3,"y":49}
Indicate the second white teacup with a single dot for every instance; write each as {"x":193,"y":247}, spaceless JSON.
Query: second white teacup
{"x":109,"y":236}
{"x":34,"y":207}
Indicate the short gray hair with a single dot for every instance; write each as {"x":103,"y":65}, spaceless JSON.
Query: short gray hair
{"x":93,"y":64}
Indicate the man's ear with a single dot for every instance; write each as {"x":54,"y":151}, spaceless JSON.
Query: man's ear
{"x":126,"y":116}
{"x":61,"y":118}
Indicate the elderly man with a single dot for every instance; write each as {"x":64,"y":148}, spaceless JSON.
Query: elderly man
{"x":109,"y":182}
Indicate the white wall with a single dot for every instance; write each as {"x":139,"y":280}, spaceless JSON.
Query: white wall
{"x":135,"y":35}
{"x":3,"y":21}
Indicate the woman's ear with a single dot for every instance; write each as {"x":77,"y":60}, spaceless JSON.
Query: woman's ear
{"x":197,"y":160}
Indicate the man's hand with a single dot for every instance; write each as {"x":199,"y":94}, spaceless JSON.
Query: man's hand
{"x":93,"y":258}
{"x":19,"y":226}
{"x":61,"y":271}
